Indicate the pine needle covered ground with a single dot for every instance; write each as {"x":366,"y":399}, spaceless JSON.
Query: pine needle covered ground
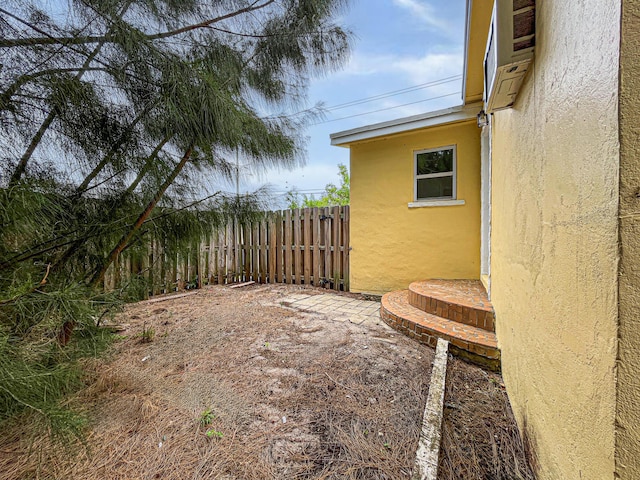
{"x":480,"y":438}
{"x":227,"y":384}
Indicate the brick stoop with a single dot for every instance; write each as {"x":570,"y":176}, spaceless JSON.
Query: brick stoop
{"x":473,"y":343}
{"x":463,"y":301}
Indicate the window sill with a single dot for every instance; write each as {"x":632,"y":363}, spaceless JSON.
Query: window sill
{"x":435,"y":203}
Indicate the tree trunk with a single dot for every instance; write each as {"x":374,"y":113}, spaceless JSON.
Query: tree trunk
{"x":99,"y":275}
{"x":147,"y":165}
{"x":35,"y":141}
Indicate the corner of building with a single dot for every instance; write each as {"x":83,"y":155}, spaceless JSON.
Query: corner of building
{"x":628,"y":359}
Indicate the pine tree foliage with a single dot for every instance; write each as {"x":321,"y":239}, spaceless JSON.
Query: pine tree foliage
{"x":118,"y":121}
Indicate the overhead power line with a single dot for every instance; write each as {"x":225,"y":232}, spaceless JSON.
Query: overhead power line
{"x":380,"y":96}
{"x":388,"y":108}
{"x":316,"y":191}
{"x":396,"y":92}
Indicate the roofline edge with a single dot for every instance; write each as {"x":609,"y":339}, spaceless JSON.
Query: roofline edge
{"x":406,"y":124}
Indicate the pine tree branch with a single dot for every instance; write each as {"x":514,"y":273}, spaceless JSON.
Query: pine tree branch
{"x":21,"y":257}
{"x":5,"y":96}
{"x":109,"y":38}
{"x":21,"y":402}
{"x":147,"y":165}
{"x":30,"y":291}
{"x":96,"y":228}
{"x":35,"y":141}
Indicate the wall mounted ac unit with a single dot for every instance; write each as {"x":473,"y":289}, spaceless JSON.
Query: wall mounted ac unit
{"x":509,"y":51}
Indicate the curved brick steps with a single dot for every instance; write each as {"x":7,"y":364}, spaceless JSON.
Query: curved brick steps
{"x":473,"y":343}
{"x":463,"y":301}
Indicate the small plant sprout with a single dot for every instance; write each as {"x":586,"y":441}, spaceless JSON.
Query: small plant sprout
{"x":147,"y":334}
{"x":206,"y":418}
{"x":267,"y":345}
{"x":211,"y":433}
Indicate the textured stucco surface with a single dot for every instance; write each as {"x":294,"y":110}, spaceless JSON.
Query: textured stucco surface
{"x":555,"y":240}
{"x":394,"y":245}
{"x":628,"y":408}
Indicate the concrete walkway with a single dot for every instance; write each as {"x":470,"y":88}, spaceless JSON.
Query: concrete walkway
{"x":338,"y":307}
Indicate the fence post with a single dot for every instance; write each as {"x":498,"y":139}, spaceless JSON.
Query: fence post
{"x":297,"y":244}
{"x":273,"y":246}
{"x":337,"y":264}
{"x":280,"y":247}
{"x":288,"y":261}
{"x":307,"y":246}
{"x":263,"y":250}
{"x":255,"y":250}
{"x":316,"y":247}
{"x":327,"y":247}
{"x":346,"y":248}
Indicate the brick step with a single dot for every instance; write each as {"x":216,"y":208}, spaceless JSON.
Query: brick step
{"x":463,"y":301}
{"x":475,"y":344}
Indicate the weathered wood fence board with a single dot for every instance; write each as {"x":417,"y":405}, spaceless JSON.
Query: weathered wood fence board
{"x":303,"y":246}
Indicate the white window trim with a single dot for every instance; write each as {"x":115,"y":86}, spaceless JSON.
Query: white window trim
{"x":435,"y":203}
{"x":416,"y":177}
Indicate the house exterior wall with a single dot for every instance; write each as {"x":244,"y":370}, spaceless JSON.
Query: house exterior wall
{"x":394,"y":245}
{"x":555,"y":240}
{"x":628,"y":405}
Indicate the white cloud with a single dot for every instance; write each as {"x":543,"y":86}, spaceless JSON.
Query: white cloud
{"x":424,"y":12}
{"x":312,"y":177}
{"x":418,"y":69}
{"x":429,"y":67}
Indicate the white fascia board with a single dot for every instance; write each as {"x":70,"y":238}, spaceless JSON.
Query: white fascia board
{"x":467,"y":33}
{"x":406,"y":124}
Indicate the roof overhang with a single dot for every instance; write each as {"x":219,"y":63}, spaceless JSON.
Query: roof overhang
{"x":447,"y":116}
{"x":467,"y":30}
{"x":478,"y":21}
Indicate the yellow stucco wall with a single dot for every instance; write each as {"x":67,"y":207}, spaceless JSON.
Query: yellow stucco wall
{"x":628,"y":408}
{"x":555,"y":240}
{"x":394,"y":245}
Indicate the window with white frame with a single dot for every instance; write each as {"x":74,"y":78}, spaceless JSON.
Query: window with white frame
{"x":435,"y":174}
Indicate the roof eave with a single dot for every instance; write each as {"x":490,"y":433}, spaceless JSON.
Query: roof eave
{"x":406,"y":124}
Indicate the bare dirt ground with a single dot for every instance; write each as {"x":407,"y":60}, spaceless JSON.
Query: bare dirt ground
{"x":234,"y":385}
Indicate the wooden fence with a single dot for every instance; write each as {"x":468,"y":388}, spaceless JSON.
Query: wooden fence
{"x":307,"y":246}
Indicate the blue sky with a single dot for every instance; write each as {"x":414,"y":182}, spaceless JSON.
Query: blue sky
{"x":398,"y":44}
